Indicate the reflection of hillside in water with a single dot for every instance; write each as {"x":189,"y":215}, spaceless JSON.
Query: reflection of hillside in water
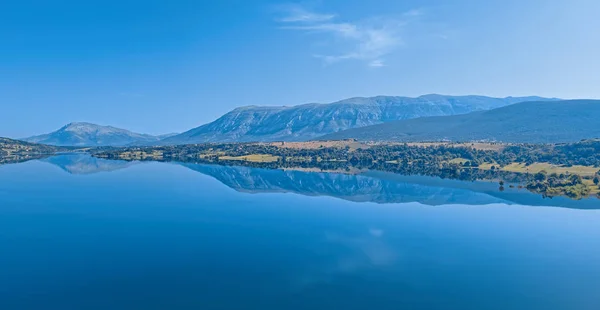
{"x":357,"y":188}
{"x":82,"y":163}
{"x":378,"y":187}
{"x":373,"y":186}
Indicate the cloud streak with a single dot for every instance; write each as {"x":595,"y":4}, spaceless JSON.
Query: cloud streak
{"x":368,"y":40}
{"x":298,"y":14}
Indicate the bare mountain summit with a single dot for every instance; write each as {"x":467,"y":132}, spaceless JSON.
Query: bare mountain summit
{"x":87,"y":134}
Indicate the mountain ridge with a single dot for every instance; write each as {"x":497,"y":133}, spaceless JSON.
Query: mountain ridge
{"x":526,"y":122}
{"x":311,"y":120}
{"x":89,"y":134}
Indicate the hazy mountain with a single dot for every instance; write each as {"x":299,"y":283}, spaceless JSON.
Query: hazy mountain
{"x":308,"y":121}
{"x":86,"y":134}
{"x":167,"y":135}
{"x":528,"y":122}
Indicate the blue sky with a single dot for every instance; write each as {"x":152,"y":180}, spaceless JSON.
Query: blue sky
{"x":167,"y":66}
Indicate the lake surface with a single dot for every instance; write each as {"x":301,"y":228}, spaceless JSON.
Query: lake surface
{"x":83,"y":233}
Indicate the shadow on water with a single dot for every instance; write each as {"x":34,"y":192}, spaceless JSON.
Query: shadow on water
{"x":372,"y":186}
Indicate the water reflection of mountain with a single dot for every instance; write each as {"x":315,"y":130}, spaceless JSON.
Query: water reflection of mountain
{"x":373,"y":186}
{"x":81,"y":163}
{"x":378,"y":187}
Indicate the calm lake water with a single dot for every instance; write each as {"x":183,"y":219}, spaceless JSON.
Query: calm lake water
{"x":82,"y":233}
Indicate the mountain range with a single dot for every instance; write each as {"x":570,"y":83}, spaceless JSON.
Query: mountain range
{"x":527,"y":122}
{"x":310,"y":121}
{"x":87,"y":134}
{"x":385,"y":118}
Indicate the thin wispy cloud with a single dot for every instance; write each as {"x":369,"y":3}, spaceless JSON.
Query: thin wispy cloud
{"x":298,"y":14}
{"x":368,"y":40}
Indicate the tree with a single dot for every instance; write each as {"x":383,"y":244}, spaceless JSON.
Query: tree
{"x":540,"y":176}
{"x":575,"y":179}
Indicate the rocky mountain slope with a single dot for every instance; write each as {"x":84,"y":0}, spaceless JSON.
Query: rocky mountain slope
{"x":308,"y":121}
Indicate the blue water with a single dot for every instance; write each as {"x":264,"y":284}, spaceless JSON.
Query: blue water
{"x":82,"y":233}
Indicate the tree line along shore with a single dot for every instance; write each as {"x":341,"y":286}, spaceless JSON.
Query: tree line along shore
{"x":570,"y":169}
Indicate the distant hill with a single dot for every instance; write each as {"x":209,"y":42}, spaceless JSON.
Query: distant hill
{"x":527,"y":122}
{"x":167,"y":135}
{"x":16,"y":147}
{"x":14,"y":151}
{"x":309,"y":121}
{"x":87,"y":134}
